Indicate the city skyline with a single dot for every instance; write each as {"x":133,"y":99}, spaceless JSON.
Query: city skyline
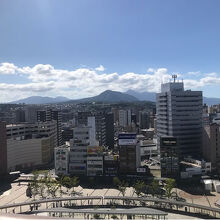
{"x":79,"y":49}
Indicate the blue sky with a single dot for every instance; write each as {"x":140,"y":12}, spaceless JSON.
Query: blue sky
{"x":128,"y":38}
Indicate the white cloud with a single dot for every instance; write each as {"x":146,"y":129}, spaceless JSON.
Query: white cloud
{"x":84,"y":82}
{"x":7,"y":68}
{"x":100,"y":68}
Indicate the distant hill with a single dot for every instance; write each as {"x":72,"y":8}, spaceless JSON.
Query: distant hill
{"x":211,"y":101}
{"x":109,"y":96}
{"x":40,"y":100}
{"x":151,"y":96}
{"x":143,"y":96}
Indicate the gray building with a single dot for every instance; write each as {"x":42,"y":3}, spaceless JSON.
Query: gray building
{"x":179,"y":114}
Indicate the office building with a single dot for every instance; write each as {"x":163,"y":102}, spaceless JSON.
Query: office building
{"x":49,"y":115}
{"x":30,"y":145}
{"x":211,"y":145}
{"x":61,"y":155}
{"x":83,"y":137}
{"x":31,"y":113}
{"x":19,"y":116}
{"x":144,"y":120}
{"x":169,"y":157}
{"x":3,"y":149}
{"x":109,"y":129}
{"x":179,"y":114}
{"x":111,"y":165}
{"x":124,"y":118}
{"x":94,"y":161}
{"x":129,"y":153}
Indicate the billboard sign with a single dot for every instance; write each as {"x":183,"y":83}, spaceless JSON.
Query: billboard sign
{"x":94,"y":149}
{"x":127,"y":139}
{"x":141,"y":170}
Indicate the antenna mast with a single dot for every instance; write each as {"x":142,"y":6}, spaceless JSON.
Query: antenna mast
{"x":174,"y":78}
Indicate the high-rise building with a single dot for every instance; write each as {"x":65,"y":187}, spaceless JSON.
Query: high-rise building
{"x":179,"y":114}
{"x":129,"y":153}
{"x":31,"y":113}
{"x":83,"y":137}
{"x":3,"y":149}
{"x":49,"y":115}
{"x":19,"y":116}
{"x":211,"y":145}
{"x":99,"y":123}
{"x":109,"y":129}
{"x":61,"y":155}
{"x":169,"y":157}
{"x":144,"y":120}
{"x":124,"y":118}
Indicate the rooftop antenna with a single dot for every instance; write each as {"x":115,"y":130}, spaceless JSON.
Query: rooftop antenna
{"x":174,"y":78}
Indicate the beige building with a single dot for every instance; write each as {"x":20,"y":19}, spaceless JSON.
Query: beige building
{"x":211,"y":145}
{"x":30,"y":145}
{"x":23,"y":154}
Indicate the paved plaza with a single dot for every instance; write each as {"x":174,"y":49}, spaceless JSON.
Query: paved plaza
{"x":17,"y":194}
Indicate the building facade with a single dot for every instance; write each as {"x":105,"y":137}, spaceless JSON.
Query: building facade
{"x":179,"y":114}
{"x":129,"y":153}
{"x":211,"y":145}
{"x":3,"y":149}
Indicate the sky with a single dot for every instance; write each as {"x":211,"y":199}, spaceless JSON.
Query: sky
{"x":80,"y":48}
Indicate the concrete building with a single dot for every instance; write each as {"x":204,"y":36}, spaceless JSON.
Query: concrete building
{"x":111,"y":165}
{"x":211,"y":145}
{"x":61,"y":155}
{"x":179,"y":114}
{"x":169,"y":157}
{"x":49,"y":115}
{"x":31,"y":113}
{"x":144,"y":120}
{"x":124,"y":118}
{"x":94,"y":161}
{"x":3,"y":149}
{"x":83,"y":137}
{"x":78,"y":150}
{"x":19,"y":116}
{"x":30,"y":145}
{"x":109,"y":129}
{"x":129,"y":153}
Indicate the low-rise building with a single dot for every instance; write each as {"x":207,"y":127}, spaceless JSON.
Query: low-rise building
{"x":30,"y":145}
{"x":94,"y":161}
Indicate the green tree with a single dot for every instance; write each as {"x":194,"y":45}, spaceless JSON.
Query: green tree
{"x":42,"y":188}
{"x":139,"y":187}
{"x":155,"y":187}
{"x":169,"y":185}
{"x":34,"y":185}
{"x":74,"y":183}
{"x":91,"y":181}
{"x":116,"y":181}
{"x":122,"y":187}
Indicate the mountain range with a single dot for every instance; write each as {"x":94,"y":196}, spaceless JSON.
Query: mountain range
{"x":40,"y":100}
{"x":107,"y":96}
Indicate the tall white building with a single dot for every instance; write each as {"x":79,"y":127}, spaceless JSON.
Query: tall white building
{"x":85,"y":154}
{"x":179,"y":114}
{"x":61,"y":155}
{"x":124,"y":118}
